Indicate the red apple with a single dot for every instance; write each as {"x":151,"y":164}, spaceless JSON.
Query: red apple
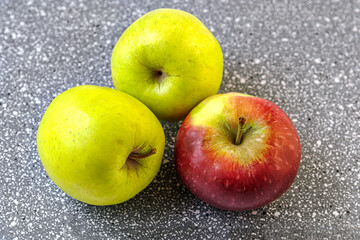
{"x":237,"y":152}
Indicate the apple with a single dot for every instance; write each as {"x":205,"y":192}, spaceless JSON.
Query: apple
{"x":99,"y":145}
{"x":237,"y":152}
{"x":168,"y":60}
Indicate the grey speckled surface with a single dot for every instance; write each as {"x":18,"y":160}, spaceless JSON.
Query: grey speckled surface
{"x":305,"y":57}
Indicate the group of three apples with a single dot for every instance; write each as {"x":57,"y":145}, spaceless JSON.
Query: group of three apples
{"x":103,"y":146}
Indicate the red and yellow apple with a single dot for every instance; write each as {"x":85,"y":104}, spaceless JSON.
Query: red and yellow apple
{"x":237,"y":152}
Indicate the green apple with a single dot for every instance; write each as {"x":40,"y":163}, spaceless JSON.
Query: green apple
{"x":168,"y":60}
{"x":99,"y":145}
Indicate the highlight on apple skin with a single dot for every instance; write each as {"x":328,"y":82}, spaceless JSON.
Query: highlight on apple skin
{"x":237,"y":152}
{"x":99,"y":145}
{"x":168,"y":60}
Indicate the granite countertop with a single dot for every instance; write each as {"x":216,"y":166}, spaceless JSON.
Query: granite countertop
{"x":302,"y":55}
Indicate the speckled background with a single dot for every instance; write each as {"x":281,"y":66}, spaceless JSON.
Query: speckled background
{"x":302,"y":56}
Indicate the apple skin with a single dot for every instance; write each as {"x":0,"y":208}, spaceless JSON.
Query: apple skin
{"x":84,"y":140}
{"x":237,"y":177}
{"x":162,"y":57}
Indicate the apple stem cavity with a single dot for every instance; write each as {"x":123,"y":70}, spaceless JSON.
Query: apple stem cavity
{"x":159,"y":75}
{"x":240,"y":129}
{"x":136,"y":156}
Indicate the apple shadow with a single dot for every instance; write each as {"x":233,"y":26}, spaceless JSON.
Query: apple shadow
{"x":165,"y":196}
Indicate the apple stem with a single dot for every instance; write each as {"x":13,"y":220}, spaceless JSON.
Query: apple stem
{"x":239,"y":132}
{"x":136,"y":156}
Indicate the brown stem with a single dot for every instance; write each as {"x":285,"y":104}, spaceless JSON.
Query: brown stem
{"x":240,"y":129}
{"x":136,"y":156}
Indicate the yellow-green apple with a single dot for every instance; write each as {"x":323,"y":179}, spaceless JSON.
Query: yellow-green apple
{"x":99,"y":145}
{"x":237,"y":152}
{"x":168,"y":60}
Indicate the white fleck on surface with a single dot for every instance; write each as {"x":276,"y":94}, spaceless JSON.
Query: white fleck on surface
{"x":257,"y":61}
{"x":13,"y":223}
